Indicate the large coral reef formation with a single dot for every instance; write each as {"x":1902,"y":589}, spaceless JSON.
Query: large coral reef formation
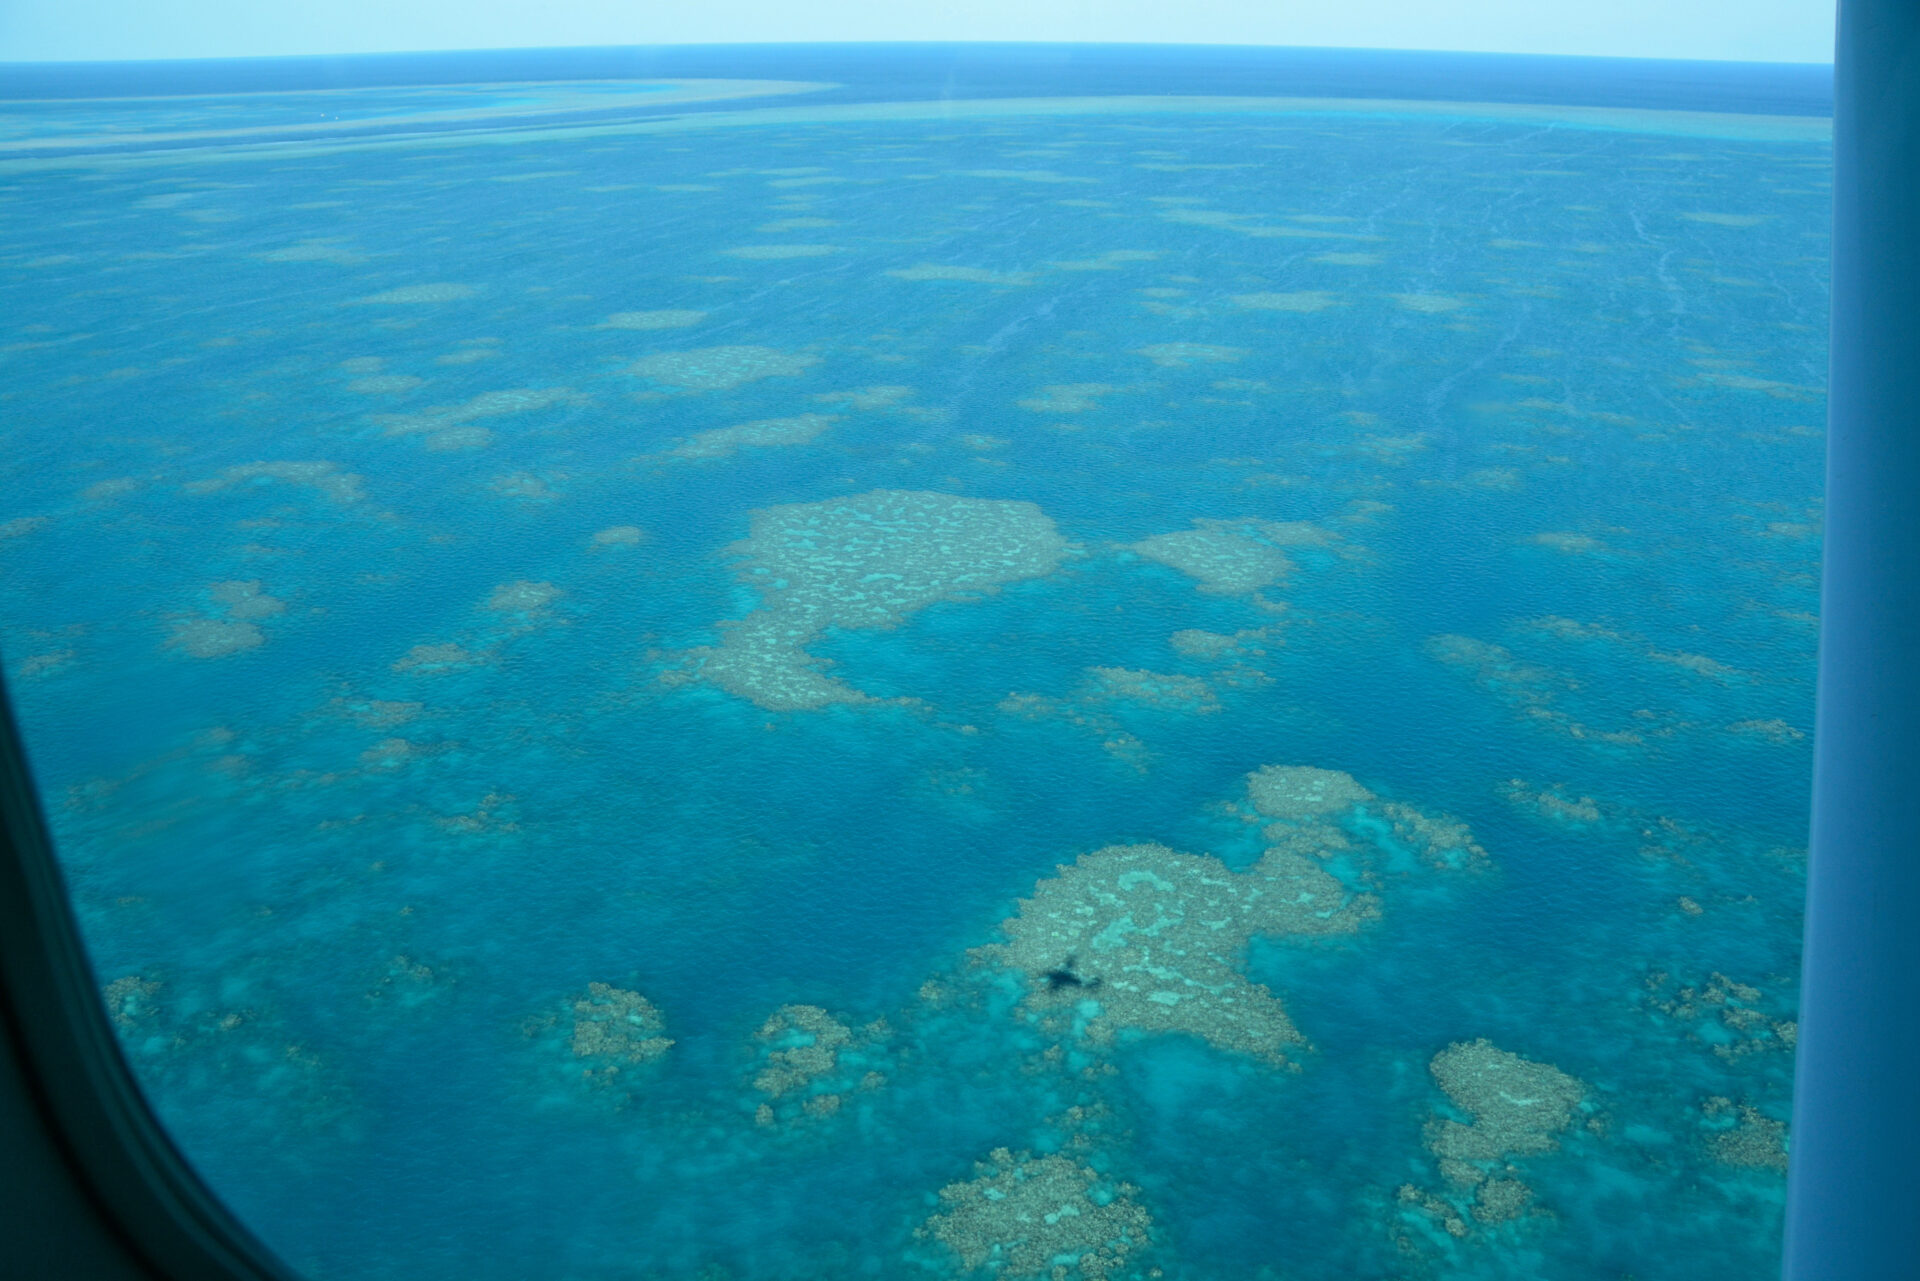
{"x":1516,"y":1108}
{"x":1143,"y":939}
{"x":1146,"y":939}
{"x":867,"y":561}
{"x":1023,"y":1215}
{"x":1235,"y":557}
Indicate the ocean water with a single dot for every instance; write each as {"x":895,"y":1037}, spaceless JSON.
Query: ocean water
{"x":672,"y":679}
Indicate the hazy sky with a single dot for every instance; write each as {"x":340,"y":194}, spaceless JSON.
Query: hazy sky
{"x":1751,"y":30}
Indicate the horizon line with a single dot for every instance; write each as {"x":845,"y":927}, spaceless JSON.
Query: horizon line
{"x":895,"y":44}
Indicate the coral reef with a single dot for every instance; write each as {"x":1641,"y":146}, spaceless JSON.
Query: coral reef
{"x":1436,"y":1210}
{"x":1154,"y":689}
{"x":1248,"y":642}
{"x":190,"y":1051}
{"x":434,"y":660}
{"x":866,"y":561}
{"x":131,"y":1002}
{"x":483,"y":817}
{"x":1442,"y":843}
{"x":971,"y":275}
{"x":1178,"y":354}
{"x":1296,"y":792}
{"x":1572,"y":544}
{"x":1303,"y":798}
{"x":522,"y":597}
{"x":1518,"y":1107}
{"x":1144,"y":939}
{"x":1067,"y":398}
{"x":776,"y":253}
{"x":1773,"y":730}
{"x":242,"y":603}
{"x":1528,"y":688}
{"x":404,"y":981}
{"x":327,"y":478}
{"x":1744,"y":1136}
{"x":1023,"y":1215}
{"x":1110,"y":260}
{"x":245,"y":600}
{"x":724,"y":442}
{"x":1087,"y":707}
{"x":808,"y":1061}
{"x":1114,"y":739}
{"x":720,"y":368}
{"x":1498,"y":1200}
{"x":214,"y":637}
{"x":1724,"y":1015}
{"x":316,"y":249}
{"x":1233,"y":557}
{"x":805,"y":1043}
{"x":613,"y":1024}
{"x":408,"y":295}
{"x":384,"y":384}
{"x":1308,"y":300}
{"x":524,"y":486}
{"x":1551,"y":802}
{"x":611,"y":1033}
{"x":884,"y":396}
{"x":444,"y":425}
{"x":667,"y":319}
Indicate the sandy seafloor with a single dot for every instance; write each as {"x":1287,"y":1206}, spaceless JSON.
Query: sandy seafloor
{"x":369,"y":534}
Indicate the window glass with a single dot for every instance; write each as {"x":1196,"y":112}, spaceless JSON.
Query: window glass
{"x":802,"y":663}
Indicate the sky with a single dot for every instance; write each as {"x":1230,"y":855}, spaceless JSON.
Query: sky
{"x":1741,"y":30}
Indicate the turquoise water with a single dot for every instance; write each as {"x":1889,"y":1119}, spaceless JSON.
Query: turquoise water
{"x":764,"y":563}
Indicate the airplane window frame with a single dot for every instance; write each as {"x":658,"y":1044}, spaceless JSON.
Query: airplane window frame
{"x":1851,"y":1183}
{"x":101,"y":1164}
{"x":121,"y":1174}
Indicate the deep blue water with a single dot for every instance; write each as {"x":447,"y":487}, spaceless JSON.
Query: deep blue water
{"x":378,"y":496}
